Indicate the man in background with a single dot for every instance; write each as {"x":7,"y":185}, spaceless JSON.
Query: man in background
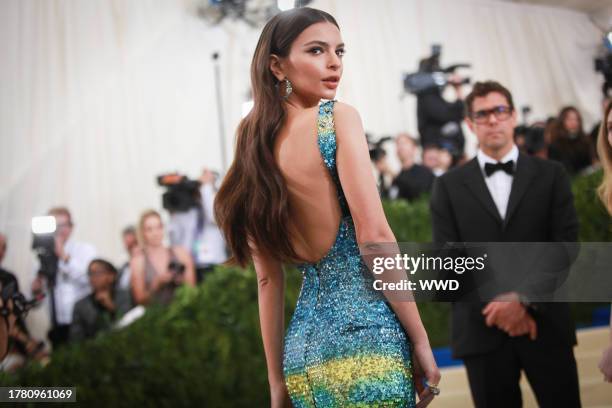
{"x":71,"y":282}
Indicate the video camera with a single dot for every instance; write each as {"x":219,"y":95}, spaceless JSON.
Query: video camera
{"x":181,"y":195}
{"x":430,"y":75}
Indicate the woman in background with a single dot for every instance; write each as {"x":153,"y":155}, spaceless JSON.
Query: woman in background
{"x":569,"y":144}
{"x":157,"y":270}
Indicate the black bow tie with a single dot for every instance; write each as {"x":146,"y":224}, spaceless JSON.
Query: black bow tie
{"x":491,"y":168}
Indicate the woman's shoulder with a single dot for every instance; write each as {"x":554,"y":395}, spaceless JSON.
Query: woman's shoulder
{"x":342,"y":109}
{"x":347,"y":120}
{"x":138,"y":260}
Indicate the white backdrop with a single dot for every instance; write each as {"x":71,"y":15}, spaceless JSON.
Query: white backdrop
{"x":97,"y":97}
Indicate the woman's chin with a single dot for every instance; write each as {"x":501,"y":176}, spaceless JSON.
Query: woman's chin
{"x":328,"y":94}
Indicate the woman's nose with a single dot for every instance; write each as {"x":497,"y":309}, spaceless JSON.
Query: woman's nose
{"x":334,"y":61}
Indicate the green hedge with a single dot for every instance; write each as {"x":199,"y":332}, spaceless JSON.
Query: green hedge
{"x":205,"y":349}
{"x":595,"y":222}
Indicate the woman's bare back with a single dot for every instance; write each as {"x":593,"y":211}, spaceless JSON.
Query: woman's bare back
{"x":315,"y":211}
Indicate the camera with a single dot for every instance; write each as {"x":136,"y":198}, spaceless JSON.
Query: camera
{"x":182,"y":193}
{"x":43,"y":244}
{"x":21,"y":306}
{"x":430,"y":75}
{"x":177,"y":268}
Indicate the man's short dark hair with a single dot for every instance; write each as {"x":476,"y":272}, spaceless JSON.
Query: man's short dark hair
{"x":108,"y":267}
{"x":482,"y":89}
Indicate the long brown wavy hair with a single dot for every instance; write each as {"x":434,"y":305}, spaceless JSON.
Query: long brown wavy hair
{"x":561,"y":132}
{"x":604,"y":150}
{"x":252,"y":204}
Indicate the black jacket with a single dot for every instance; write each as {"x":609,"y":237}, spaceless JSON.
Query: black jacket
{"x":540,"y":209}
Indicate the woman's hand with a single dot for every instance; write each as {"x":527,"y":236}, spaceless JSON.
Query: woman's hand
{"x":161,"y":280}
{"x":279,"y":397}
{"x":605,"y":364}
{"x":425,"y":368}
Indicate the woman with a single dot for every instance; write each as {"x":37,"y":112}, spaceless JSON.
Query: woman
{"x":604,"y":150}
{"x":301,"y":190}
{"x":569,"y":144}
{"x":157,"y":270}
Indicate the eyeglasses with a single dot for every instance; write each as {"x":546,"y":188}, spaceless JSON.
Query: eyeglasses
{"x":501,"y":113}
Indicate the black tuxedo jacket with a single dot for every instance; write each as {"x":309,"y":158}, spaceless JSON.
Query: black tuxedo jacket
{"x":540,"y":209}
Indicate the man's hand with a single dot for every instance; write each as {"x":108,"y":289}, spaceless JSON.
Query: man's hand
{"x":504,"y":315}
{"x":37,"y":285}
{"x":525,"y":326}
{"x":509,"y":315}
{"x":105,"y":299}
{"x":207,"y":177}
{"x":456,"y":81}
{"x":59,"y":249}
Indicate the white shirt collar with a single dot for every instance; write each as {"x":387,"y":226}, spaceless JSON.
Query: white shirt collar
{"x":484,"y":158}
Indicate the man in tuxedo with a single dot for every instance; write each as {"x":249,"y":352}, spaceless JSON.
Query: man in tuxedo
{"x":505,"y":196}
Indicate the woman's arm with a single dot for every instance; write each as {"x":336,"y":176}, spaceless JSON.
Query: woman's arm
{"x":141,"y":294}
{"x":359,"y":186}
{"x":354,"y":170}
{"x":271,"y":300}
{"x":185,"y":258}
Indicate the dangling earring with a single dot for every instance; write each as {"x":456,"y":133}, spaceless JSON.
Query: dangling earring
{"x":288,"y":88}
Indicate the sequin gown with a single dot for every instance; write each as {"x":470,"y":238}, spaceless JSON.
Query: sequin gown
{"x":344,"y":346}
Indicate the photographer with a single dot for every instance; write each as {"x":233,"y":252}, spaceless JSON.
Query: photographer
{"x":8,"y":318}
{"x":158,"y":270}
{"x":130,"y":243}
{"x":196,"y":229}
{"x":104,"y":306}
{"x":70,"y":283}
{"x":439,"y":121}
{"x":13,"y":329}
{"x":6,"y":326}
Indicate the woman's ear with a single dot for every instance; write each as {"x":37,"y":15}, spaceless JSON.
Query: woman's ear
{"x":276,"y":67}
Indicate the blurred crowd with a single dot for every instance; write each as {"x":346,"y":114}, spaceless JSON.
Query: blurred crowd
{"x":87,"y":294}
{"x":562,"y":138}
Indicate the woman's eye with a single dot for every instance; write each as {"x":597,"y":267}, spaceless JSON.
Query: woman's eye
{"x":341,"y":52}
{"x":316,"y":50}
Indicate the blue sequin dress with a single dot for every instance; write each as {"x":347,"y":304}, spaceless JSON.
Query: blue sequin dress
{"x":344,"y":346}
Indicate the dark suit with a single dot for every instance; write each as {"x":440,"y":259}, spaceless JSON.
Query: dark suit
{"x":540,"y":209}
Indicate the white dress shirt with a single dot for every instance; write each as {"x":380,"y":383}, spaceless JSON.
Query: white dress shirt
{"x":72,"y":281}
{"x":206,"y":246}
{"x":500,"y":182}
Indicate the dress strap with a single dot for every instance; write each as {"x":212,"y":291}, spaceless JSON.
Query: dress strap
{"x":326,"y":136}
